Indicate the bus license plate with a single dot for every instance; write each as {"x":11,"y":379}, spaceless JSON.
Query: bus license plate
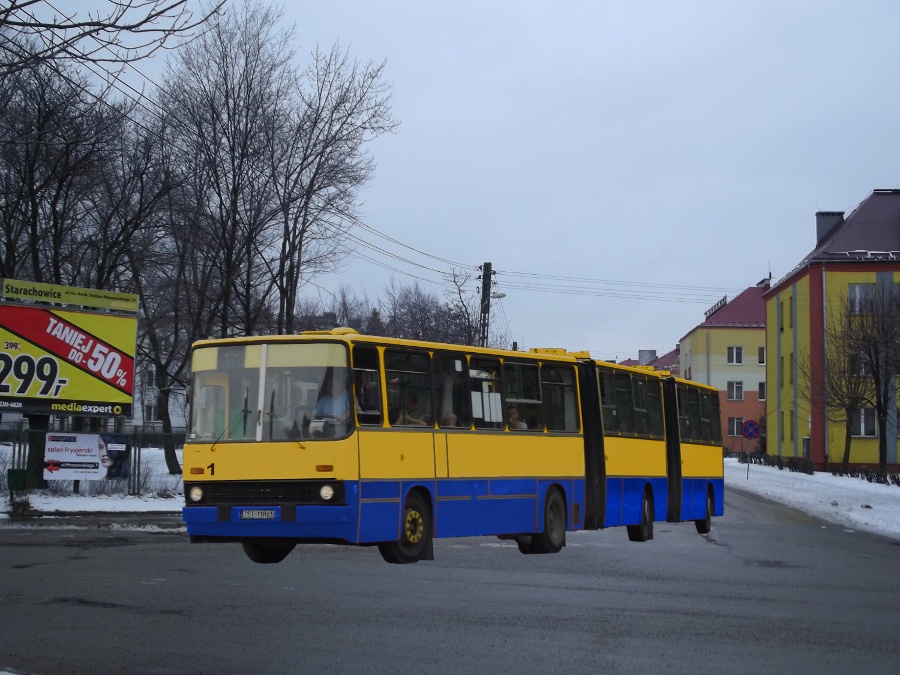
{"x":258,"y":514}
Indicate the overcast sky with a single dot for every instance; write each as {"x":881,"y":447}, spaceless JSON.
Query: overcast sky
{"x":623,"y":165}
{"x":670,"y":152}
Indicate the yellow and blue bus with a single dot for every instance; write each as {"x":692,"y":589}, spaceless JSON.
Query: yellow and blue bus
{"x":337,"y":437}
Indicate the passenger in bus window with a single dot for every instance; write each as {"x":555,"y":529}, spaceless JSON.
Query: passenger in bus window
{"x":448,"y":419}
{"x":411,"y":415}
{"x":512,"y":418}
{"x":333,"y":401}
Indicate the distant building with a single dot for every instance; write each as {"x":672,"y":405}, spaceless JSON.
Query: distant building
{"x":648,"y":357}
{"x":853,"y":257}
{"x":728,"y":351}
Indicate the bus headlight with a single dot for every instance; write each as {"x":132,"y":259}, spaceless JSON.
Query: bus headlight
{"x":195,"y":494}
{"x":326,"y":492}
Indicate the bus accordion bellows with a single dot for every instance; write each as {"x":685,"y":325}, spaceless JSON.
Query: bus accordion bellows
{"x":342,"y":438}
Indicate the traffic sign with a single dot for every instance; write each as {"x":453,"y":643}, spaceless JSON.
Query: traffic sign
{"x":750,"y":429}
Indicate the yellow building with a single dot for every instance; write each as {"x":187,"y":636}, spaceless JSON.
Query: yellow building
{"x":853,"y":257}
{"x":728,"y":352}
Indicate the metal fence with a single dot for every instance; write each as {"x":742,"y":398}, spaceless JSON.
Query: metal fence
{"x":147,"y":473}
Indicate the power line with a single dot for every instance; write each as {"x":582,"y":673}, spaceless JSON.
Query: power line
{"x":530,"y":282}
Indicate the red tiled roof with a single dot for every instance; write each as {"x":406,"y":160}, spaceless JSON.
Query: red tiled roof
{"x":747,"y":310}
{"x":667,"y":361}
{"x":870,"y":233}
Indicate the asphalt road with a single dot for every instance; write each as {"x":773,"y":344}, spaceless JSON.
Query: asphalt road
{"x":768,"y":590}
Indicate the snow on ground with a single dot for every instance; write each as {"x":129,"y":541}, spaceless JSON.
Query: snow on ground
{"x":851,"y":502}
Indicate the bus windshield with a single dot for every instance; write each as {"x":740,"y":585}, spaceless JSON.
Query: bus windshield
{"x":270,"y":392}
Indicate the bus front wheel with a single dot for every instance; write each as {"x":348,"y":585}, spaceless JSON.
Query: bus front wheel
{"x":415,"y":533}
{"x":267,"y":554}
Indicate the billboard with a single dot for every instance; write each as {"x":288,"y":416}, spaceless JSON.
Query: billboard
{"x":75,"y":456}
{"x":58,"y":361}
{"x":68,"y":295}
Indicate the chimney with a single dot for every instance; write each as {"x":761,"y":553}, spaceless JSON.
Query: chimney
{"x":825,"y":223}
{"x":646,"y":356}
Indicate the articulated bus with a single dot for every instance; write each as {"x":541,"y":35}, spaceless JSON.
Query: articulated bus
{"x":336,"y":437}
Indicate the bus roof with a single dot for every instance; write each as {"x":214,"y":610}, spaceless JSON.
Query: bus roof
{"x":349,"y":335}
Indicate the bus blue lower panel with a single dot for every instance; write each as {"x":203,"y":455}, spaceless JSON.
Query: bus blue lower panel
{"x":624,"y":497}
{"x":693,"y":497}
{"x":467,"y":507}
{"x":462,"y":507}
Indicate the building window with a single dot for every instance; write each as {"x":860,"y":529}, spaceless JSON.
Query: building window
{"x":150,"y":413}
{"x":735,"y":356}
{"x":762,"y":391}
{"x":860,"y":364}
{"x":735,"y":424}
{"x":735,"y":391}
{"x":864,"y":422}
{"x":861,"y":298}
{"x":761,"y":356}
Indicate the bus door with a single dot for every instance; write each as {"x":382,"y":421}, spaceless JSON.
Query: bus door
{"x":452,"y":404}
{"x":673,"y":449}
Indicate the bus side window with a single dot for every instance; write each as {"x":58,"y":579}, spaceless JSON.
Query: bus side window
{"x":694,"y":408}
{"x":641,"y":407}
{"x":484,"y":383}
{"x":560,"y":398}
{"x":367,"y":385}
{"x":705,"y":431}
{"x":654,"y":396}
{"x":452,"y":396}
{"x":683,"y":414}
{"x":624,"y":409}
{"x":522,"y":394}
{"x":608,"y":402}
{"x":408,"y":375}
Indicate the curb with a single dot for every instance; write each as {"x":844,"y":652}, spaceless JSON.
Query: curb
{"x":157,"y":520}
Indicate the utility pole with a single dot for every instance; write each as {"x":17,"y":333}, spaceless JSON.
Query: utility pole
{"x":486,"y":274}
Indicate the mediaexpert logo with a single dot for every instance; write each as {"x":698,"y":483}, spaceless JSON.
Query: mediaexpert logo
{"x":82,"y":408}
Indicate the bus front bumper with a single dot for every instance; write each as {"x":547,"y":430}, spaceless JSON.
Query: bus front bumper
{"x":302,"y":523}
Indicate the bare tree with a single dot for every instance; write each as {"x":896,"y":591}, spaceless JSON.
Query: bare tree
{"x":861,"y":361}
{"x":318,"y":165}
{"x":465,"y":308}
{"x":220,"y":92}
{"x":54,"y":140}
{"x":122,"y":31}
{"x":156,"y":255}
{"x":840,"y":390}
{"x":78,"y":183}
{"x":412,"y":313}
{"x":283,"y":157}
{"x":877,"y":325}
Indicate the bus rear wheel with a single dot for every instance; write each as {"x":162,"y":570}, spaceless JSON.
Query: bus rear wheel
{"x":415,"y":533}
{"x":553,"y":536}
{"x":267,"y":554}
{"x":644,"y":531}
{"x":704,"y":525}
